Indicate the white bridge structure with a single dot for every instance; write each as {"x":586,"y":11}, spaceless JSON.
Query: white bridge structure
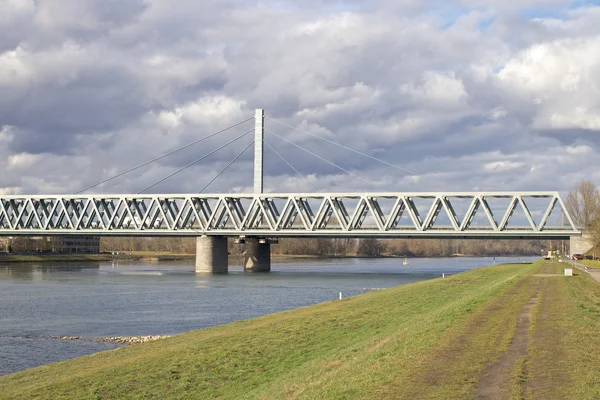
{"x":331,"y":215}
{"x":260,"y":218}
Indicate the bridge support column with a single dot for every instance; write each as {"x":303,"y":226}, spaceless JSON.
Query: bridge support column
{"x":211,"y":254}
{"x":258,"y":256}
{"x":581,"y":244}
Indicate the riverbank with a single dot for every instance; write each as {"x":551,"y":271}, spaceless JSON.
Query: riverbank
{"x":75,"y":257}
{"x":444,"y":338}
{"x":166,"y":256}
{"x":134,"y":256}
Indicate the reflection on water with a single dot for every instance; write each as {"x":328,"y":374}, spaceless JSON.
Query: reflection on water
{"x":39,"y":271}
{"x":130,"y":299}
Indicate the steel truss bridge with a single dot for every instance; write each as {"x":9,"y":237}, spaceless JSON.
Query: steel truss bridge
{"x":333,"y":215}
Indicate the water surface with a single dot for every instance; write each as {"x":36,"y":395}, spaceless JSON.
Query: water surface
{"x":40,"y":301}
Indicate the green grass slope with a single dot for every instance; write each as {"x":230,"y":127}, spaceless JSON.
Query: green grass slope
{"x":590,"y":263}
{"x":431,"y":339}
{"x":341,"y":349}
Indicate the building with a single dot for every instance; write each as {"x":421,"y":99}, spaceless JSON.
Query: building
{"x":77,"y":244}
{"x":51,"y":244}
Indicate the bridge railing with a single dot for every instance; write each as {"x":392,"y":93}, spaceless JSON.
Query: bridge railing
{"x":289,"y":214}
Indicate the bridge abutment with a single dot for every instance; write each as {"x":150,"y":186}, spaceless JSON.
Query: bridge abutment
{"x":211,"y":254}
{"x":257,"y":257}
{"x":581,"y":244}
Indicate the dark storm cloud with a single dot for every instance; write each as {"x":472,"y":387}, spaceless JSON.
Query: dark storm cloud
{"x":460,"y":92}
{"x":99,"y":100}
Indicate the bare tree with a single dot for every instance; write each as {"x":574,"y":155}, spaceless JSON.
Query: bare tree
{"x":370,"y":248}
{"x":583,"y":203}
{"x":595,"y":233}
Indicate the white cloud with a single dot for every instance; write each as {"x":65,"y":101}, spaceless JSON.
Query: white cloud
{"x":14,"y":68}
{"x":579,"y":150}
{"x":502,"y":166}
{"x":559,"y":80}
{"x":23,"y":160}
{"x":15,"y":9}
{"x":6,"y":134}
{"x":212,"y":109}
{"x":474,"y":96}
{"x":9,"y":191}
{"x":439,"y":88}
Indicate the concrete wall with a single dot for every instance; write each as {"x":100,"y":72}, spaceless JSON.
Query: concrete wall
{"x":211,"y":254}
{"x":581,"y":244}
{"x":257,"y":257}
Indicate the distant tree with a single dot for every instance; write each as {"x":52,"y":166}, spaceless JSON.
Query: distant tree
{"x":370,"y":248}
{"x":583,"y":204}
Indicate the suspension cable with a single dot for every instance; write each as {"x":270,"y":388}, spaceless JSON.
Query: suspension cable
{"x":342,"y":146}
{"x":292,"y":167}
{"x":327,"y":161}
{"x":227,"y":166}
{"x":163,"y":156}
{"x":195,"y":161}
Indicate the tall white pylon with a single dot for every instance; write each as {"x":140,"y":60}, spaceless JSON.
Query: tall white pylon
{"x":259,"y":133}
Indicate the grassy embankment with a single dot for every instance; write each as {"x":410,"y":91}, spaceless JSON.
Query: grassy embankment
{"x":590,"y":263}
{"x":434,"y":339}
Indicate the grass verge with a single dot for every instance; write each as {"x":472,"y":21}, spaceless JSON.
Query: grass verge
{"x":590,"y":263}
{"x":433,"y":339}
{"x":564,"y":356}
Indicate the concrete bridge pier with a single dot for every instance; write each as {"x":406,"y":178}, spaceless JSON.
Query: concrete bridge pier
{"x":211,"y":254}
{"x":581,"y":244}
{"x":258,"y":255}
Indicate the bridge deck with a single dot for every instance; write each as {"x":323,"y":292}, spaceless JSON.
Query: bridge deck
{"x":384,"y":215}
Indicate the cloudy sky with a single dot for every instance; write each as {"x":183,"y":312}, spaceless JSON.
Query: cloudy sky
{"x":468,"y":95}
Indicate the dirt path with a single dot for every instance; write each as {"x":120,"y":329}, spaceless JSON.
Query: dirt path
{"x":496,"y":379}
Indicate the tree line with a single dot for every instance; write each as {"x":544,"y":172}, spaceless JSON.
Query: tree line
{"x":349,"y":247}
{"x":314,"y":246}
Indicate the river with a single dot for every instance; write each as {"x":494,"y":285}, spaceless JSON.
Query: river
{"x":89,"y":300}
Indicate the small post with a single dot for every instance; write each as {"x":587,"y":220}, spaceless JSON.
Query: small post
{"x":259,"y":134}
{"x":340,"y":295}
{"x":443,"y":276}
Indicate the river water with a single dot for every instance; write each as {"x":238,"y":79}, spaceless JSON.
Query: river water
{"x":89,"y":300}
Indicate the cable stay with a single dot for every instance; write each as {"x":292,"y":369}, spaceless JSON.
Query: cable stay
{"x":343,"y":147}
{"x":196,"y":161}
{"x":227,"y":166}
{"x":292,"y":167}
{"x":163,"y":156}
{"x":323,"y":159}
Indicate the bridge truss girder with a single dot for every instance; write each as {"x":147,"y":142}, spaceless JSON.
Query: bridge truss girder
{"x":283,"y":215}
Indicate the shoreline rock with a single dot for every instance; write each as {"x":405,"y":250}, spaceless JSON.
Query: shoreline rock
{"x":131,"y":339}
{"x":117,"y":339}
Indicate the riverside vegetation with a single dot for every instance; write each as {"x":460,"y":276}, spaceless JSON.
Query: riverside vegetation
{"x":510,"y":331}
{"x":160,"y":249}
{"x":346,"y":247}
